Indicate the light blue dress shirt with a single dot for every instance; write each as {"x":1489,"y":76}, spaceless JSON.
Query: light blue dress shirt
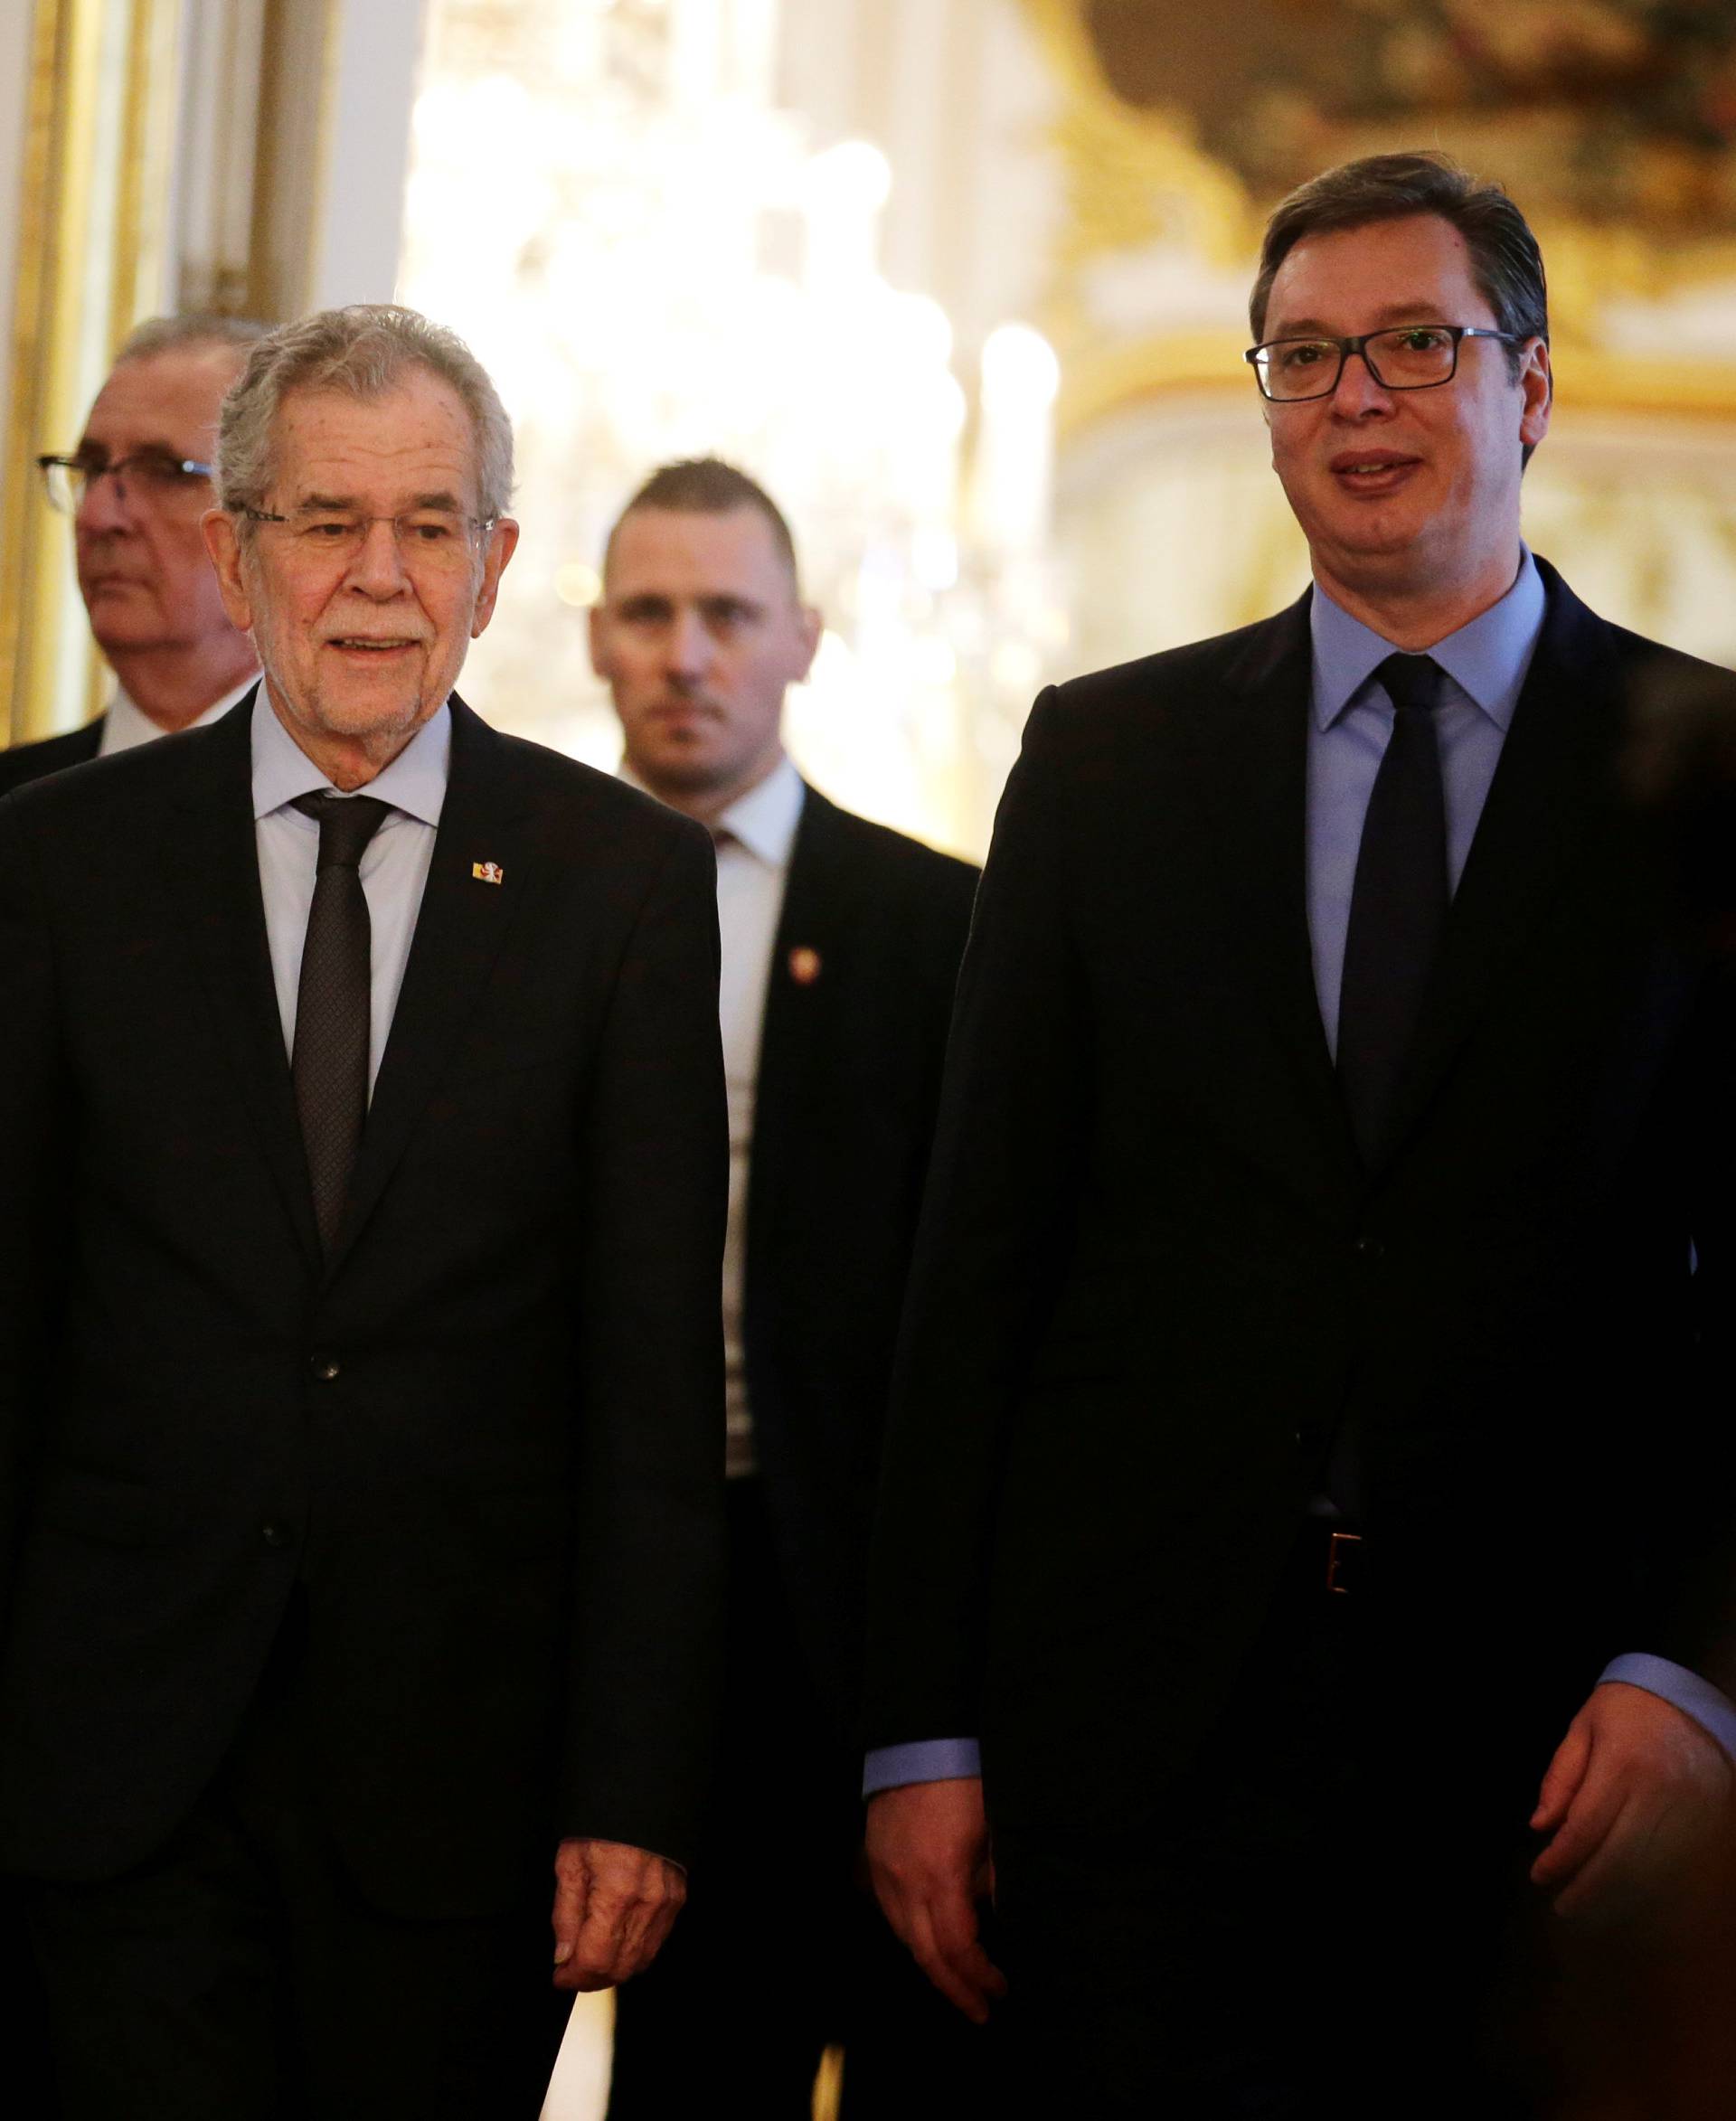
{"x":1350,"y":724}
{"x":393,"y":869}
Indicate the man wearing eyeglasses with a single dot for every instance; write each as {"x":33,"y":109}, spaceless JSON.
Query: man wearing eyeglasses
{"x":1305,"y":1544}
{"x":135,"y":488}
{"x":362,"y":1123}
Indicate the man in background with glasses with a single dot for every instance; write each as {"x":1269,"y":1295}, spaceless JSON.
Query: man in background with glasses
{"x":1305,"y":1553}
{"x":135,"y":488}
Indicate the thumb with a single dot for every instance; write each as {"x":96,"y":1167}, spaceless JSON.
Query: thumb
{"x":1563,"y":1776}
{"x":569,"y":1915}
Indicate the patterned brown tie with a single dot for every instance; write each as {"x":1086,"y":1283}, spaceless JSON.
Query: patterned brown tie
{"x":330,"y":1062}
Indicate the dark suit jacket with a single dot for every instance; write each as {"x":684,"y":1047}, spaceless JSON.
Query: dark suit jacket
{"x":23,"y":762}
{"x":1153,"y":1277}
{"x":483,"y":1440}
{"x":849,"y":1081}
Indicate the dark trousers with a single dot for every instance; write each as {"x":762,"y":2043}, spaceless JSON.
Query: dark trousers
{"x":238,"y":1974}
{"x":26,"y":2067}
{"x":1330,"y":1917}
{"x":781,"y":1951}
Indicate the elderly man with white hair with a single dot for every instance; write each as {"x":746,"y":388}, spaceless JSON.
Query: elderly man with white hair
{"x":360,"y":1360}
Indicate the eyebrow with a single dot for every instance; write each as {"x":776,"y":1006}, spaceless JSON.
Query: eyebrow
{"x":664,"y":599}
{"x":1311,"y":327}
{"x":338,"y":504}
{"x":87,"y":448}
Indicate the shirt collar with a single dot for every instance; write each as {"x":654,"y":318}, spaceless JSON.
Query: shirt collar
{"x":764,"y":820}
{"x":1486,"y":660}
{"x":127,"y":723}
{"x":414,"y":783}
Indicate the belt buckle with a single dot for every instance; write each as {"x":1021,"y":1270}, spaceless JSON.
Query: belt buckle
{"x":1340,"y":1559}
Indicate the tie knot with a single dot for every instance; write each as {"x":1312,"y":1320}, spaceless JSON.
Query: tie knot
{"x":1413,"y":683}
{"x":346,"y":824}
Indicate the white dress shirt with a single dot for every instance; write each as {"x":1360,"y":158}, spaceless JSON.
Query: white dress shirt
{"x":394,"y":863}
{"x":754,"y":838}
{"x":125,"y":723}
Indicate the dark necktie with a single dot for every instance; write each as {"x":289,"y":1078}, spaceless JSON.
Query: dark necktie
{"x":1398,"y":908}
{"x":330,"y":1064}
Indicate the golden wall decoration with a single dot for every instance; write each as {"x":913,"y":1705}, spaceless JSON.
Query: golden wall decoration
{"x":1615,"y":127}
{"x":90,"y":262}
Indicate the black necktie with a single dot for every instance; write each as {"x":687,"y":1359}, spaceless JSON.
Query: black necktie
{"x":330,"y":1064}
{"x":1398,"y":908}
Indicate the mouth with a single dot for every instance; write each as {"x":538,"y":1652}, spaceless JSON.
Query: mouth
{"x":683,"y":714}
{"x":371,"y":648}
{"x":1372,"y":472}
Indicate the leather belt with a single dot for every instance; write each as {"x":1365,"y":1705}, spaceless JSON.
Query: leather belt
{"x":1343,"y":1570}
{"x":1329,"y":1561}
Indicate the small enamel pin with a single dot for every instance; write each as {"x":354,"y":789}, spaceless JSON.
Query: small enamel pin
{"x":804,"y":966}
{"x":487,"y":872}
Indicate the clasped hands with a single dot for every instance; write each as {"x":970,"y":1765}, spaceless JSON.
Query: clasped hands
{"x":1636,"y":1799}
{"x":613,"y":1908}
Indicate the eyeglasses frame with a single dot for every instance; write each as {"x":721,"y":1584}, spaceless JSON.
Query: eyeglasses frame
{"x":479,"y":525}
{"x":188,"y":466}
{"x":1359,"y":346}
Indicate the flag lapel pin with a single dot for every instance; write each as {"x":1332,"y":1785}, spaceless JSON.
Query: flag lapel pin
{"x":487,"y":872}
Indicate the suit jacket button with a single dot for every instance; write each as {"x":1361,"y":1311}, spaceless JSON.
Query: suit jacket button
{"x":275,"y":1534}
{"x":325,"y":1368}
{"x":1371,"y":1248}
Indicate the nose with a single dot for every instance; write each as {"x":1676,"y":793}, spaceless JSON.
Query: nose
{"x":687,"y":646}
{"x":1357,"y":390}
{"x":378,"y":568}
{"x":104,"y":505}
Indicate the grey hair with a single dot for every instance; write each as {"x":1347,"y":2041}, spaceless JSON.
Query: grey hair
{"x":196,"y":327}
{"x":365,"y":352}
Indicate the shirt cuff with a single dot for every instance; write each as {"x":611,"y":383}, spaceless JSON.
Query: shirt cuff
{"x":929,"y":1759}
{"x":1713,"y":1711}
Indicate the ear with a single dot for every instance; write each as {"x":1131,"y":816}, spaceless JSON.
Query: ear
{"x":502,"y":542}
{"x":811,"y":622}
{"x":597,"y":632}
{"x":223,"y":543}
{"x":1537,"y":385}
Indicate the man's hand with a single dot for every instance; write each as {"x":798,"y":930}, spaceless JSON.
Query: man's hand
{"x":1635,"y":1801}
{"x":613,"y":1908}
{"x":928,"y":1855}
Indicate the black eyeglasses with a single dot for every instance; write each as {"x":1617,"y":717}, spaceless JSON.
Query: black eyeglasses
{"x":1408,"y":357}
{"x":150,"y":471}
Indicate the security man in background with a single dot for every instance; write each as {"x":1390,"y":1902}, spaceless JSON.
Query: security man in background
{"x":841,"y":942}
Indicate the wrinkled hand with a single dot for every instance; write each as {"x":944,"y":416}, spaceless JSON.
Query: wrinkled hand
{"x":613,"y":1906}
{"x":929,"y":1857}
{"x":1636,"y":1801}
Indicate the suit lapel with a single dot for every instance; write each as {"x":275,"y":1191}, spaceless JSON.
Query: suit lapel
{"x":462,"y":922}
{"x":1552,"y":780}
{"x":800,"y":991}
{"x":1261,"y":823}
{"x":217,"y":863}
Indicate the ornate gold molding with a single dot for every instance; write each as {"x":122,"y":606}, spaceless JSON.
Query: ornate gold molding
{"x":300,"y":46}
{"x":90,"y":262}
{"x":1136,"y":178}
